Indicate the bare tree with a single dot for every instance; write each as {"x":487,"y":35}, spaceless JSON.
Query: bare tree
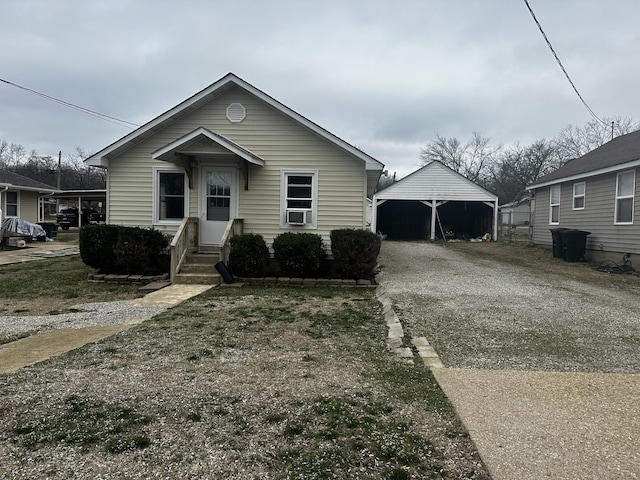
{"x":574,"y":141}
{"x":520,"y":166}
{"x":473,"y":159}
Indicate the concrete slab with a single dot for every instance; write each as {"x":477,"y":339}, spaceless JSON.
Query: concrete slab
{"x":536,"y":425}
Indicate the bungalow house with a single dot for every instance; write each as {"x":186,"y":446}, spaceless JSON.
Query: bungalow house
{"x":229,"y":159}
{"x":22,"y":197}
{"x":596,"y":193}
{"x":434,"y":201}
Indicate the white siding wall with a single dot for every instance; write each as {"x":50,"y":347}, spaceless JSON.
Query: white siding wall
{"x":279,"y":141}
{"x":597,"y":216}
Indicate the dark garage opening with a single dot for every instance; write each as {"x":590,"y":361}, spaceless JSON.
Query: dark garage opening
{"x":411,"y":220}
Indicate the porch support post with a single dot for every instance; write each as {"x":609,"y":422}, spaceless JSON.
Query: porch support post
{"x":188,"y":168}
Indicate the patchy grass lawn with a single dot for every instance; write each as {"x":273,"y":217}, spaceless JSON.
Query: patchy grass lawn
{"x":237,"y":384}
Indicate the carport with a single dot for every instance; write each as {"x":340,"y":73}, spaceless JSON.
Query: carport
{"x":434,"y":201}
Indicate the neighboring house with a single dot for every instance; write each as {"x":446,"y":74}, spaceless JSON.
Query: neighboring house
{"x":597,"y":193}
{"x":22,"y":197}
{"x":433,"y":201}
{"x":233,"y":152}
{"x":517,"y":212}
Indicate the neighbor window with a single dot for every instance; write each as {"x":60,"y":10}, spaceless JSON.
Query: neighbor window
{"x":625,"y":188}
{"x":554,"y":205}
{"x":171,"y":196}
{"x":299,"y":193}
{"x":579,"y":195}
{"x":11,"y":204}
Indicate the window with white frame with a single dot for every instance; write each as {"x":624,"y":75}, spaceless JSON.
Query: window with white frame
{"x":625,"y":188}
{"x":554,"y":205}
{"x":579,"y":194}
{"x":298,"y":198}
{"x":170,"y":196}
{"x":11,"y":204}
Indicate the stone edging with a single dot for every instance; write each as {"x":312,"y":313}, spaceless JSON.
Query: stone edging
{"x":395,"y":336}
{"x":127,"y":279}
{"x":304,"y":282}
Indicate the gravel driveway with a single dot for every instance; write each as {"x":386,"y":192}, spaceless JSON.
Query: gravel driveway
{"x":479,"y":313}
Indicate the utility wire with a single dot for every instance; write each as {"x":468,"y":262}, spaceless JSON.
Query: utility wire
{"x":561,"y":66}
{"x":102,"y":116}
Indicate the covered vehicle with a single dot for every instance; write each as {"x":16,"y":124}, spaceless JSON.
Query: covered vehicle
{"x":23,"y":228}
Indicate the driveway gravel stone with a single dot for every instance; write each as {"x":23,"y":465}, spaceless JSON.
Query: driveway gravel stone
{"x":512,"y":340}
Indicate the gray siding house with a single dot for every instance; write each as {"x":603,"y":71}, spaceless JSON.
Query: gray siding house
{"x":597,"y":193}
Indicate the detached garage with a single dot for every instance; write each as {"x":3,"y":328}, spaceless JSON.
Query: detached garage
{"x":434,"y":201}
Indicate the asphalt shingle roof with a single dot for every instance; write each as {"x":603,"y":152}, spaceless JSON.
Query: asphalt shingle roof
{"x":17,"y":180}
{"x":620,"y":150}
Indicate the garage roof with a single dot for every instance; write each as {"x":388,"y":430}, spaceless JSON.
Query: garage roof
{"x":436,"y":181}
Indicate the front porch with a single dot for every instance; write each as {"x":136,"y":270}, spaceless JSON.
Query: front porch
{"x":192,"y":263}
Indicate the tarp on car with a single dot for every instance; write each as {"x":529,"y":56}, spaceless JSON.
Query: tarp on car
{"x":22,"y":227}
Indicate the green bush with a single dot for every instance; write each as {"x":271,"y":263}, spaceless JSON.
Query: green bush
{"x":124,"y":250}
{"x":97,"y":244}
{"x":355,"y":252}
{"x":299,"y":254}
{"x":249,"y":255}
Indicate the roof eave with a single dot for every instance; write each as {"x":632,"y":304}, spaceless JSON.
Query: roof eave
{"x":580,"y":176}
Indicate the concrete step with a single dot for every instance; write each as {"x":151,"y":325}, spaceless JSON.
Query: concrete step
{"x":196,"y":279}
{"x":202,"y":268}
{"x":202,"y":259}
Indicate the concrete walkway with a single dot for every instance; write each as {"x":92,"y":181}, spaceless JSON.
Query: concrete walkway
{"x":549,"y":425}
{"x":42,"y":346}
{"x":38,"y":251}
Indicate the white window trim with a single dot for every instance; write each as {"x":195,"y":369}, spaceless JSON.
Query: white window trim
{"x":314,"y":199}
{"x":583,"y":195}
{"x":6,"y":202}
{"x":551,"y":205}
{"x":632,"y":197}
{"x":156,"y":192}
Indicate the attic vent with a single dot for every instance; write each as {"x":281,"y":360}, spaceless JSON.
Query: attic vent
{"x":236,"y":112}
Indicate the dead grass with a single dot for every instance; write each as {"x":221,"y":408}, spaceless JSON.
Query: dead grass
{"x":248,"y":384}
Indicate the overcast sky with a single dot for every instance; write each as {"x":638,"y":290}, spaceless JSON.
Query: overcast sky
{"x":384,"y":75}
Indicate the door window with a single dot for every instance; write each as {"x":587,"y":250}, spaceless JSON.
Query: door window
{"x":218,"y":196}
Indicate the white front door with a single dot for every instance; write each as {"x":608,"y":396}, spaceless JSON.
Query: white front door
{"x":218,"y":203}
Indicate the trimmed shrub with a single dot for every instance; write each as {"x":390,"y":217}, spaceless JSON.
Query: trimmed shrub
{"x":249,"y":255}
{"x":355,"y":252}
{"x":299,"y":254}
{"x":139,"y":251}
{"x":124,"y":250}
{"x":97,"y":244}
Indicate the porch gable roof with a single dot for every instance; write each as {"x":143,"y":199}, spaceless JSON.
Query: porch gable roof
{"x":169,"y":151}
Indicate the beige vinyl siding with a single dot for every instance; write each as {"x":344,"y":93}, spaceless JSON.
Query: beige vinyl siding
{"x":597,"y":217}
{"x":282,"y":143}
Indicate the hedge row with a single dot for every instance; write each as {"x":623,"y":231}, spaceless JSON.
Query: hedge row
{"x":124,"y":250}
{"x":304,"y":255}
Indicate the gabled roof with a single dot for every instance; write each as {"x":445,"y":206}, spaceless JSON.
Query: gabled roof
{"x":214,"y":90}
{"x":435,"y":181}
{"x":16,"y":181}
{"x":168,"y":151}
{"x":620,"y":153}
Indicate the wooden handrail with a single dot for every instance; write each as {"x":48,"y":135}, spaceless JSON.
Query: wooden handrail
{"x":234,"y":227}
{"x":185,"y":239}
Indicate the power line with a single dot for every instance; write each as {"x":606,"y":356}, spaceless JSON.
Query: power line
{"x":561,"y":66}
{"x":102,"y":116}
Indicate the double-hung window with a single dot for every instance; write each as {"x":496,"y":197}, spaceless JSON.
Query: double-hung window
{"x":11,"y":204}
{"x":625,"y":189}
{"x":298,"y":198}
{"x":579,"y":192}
{"x":554,"y":205}
{"x":170,"y":196}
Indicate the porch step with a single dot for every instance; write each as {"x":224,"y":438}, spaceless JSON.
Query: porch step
{"x":199,"y":268}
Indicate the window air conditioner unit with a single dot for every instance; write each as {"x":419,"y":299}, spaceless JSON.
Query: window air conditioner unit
{"x":297,"y":217}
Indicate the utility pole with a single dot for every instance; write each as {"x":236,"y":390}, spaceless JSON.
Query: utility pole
{"x":59,"y":167}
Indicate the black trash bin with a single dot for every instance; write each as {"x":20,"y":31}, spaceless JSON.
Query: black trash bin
{"x":51,"y":229}
{"x":558,"y":241}
{"x":224,"y":273}
{"x":575,"y":245}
